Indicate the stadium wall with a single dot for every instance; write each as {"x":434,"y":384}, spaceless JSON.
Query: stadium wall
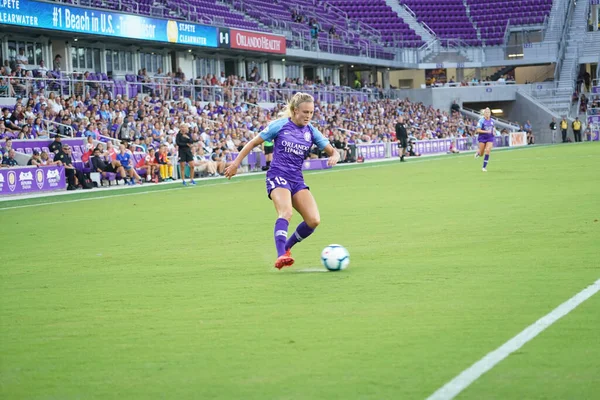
{"x":443,"y":97}
{"x":534,"y":73}
{"x":400,"y":78}
{"x":524,"y":110}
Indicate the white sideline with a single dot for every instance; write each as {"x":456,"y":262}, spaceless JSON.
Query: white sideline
{"x":471,"y":374}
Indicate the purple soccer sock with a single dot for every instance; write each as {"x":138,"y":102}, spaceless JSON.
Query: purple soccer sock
{"x":302,"y":232}
{"x":485,"y":160}
{"x":281,"y":229}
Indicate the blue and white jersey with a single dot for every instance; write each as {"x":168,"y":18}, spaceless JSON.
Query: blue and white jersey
{"x":292,"y":144}
{"x":486,"y":125}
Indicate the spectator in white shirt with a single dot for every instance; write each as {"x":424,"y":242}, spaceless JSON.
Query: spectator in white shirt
{"x":42,"y":68}
{"x":22,"y":58}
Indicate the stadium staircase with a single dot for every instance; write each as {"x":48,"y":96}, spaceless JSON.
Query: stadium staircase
{"x":471,"y":19}
{"x":576,"y":35}
{"x":570,"y":45}
{"x":502,"y":71}
{"x":410,"y":18}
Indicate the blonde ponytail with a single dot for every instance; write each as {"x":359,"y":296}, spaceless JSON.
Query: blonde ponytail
{"x":294,"y":103}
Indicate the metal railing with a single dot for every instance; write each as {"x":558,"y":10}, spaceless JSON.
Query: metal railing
{"x":508,"y":124}
{"x":558,"y":19}
{"x":196,"y":91}
{"x":119,"y":5}
{"x":423,"y":24}
{"x":562,"y":44}
{"x":59,"y":129}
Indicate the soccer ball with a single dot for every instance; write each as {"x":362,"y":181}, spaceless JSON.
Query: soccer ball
{"x":335,"y":257}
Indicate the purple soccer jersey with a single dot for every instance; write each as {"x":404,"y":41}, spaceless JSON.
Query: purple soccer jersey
{"x":292,"y":144}
{"x":486,"y":125}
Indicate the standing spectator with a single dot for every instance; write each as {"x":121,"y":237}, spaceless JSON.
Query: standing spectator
{"x":563,"y":129}
{"x":42,"y":68}
{"x":22,"y":58}
{"x":553,"y":130}
{"x":268,"y":150}
{"x":57,"y":63}
{"x":254,"y":75}
{"x":576,"y":125}
{"x":56,"y":146}
{"x":183,"y":141}
{"x":402,"y":137}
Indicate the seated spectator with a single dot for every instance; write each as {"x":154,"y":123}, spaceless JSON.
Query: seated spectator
{"x":9,"y":159}
{"x":46,"y":162}
{"x":9,"y":123}
{"x":103,"y":166}
{"x":75,"y":177}
{"x":340,"y":146}
{"x":152,"y":167}
{"x":453,"y":149}
{"x":89,"y":144}
{"x":26,"y":133}
{"x":202,"y":164}
{"x":530,"y":137}
{"x":165,"y":167}
{"x":125,"y":158}
{"x":35,"y":159}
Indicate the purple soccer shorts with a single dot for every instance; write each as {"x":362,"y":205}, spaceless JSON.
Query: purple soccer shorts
{"x":275,"y":182}
{"x":485,"y":138}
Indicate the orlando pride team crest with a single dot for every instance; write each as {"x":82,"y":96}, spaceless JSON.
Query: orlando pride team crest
{"x":307,"y":136}
{"x":39,"y":178}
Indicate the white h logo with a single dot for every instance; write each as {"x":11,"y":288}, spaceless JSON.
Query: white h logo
{"x":224,"y":37}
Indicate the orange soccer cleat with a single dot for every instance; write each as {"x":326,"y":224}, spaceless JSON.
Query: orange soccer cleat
{"x":285,"y":260}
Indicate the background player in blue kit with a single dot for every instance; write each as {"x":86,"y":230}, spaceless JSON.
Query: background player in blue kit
{"x":293,"y":136}
{"x":485,"y":129}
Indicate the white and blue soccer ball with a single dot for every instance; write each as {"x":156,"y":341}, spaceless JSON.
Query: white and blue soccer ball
{"x":335,"y":257}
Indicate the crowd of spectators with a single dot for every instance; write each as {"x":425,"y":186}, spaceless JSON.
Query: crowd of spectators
{"x":148,"y":123}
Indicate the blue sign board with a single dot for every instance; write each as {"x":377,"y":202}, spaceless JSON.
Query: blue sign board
{"x":64,"y":17}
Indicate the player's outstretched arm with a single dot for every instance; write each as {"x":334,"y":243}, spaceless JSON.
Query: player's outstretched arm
{"x":231,"y":170}
{"x":334,"y":156}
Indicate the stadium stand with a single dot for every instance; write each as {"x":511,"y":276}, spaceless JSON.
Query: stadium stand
{"x":221,"y":127}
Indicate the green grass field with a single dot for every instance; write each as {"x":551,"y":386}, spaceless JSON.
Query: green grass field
{"x":171,"y":294}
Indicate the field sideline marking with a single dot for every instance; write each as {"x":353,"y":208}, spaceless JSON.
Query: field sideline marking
{"x":113,"y":195}
{"x":247,"y":178}
{"x":385,"y":162}
{"x":471,"y":374}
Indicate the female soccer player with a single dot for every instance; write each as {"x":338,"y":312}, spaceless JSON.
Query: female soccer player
{"x":485,"y":129}
{"x":293,"y":137}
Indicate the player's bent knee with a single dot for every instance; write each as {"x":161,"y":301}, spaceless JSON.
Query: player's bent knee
{"x":286,"y":214}
{"x":313,"y":222}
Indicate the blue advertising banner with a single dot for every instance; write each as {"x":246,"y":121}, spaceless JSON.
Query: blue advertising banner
{"x":64,"y":17}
